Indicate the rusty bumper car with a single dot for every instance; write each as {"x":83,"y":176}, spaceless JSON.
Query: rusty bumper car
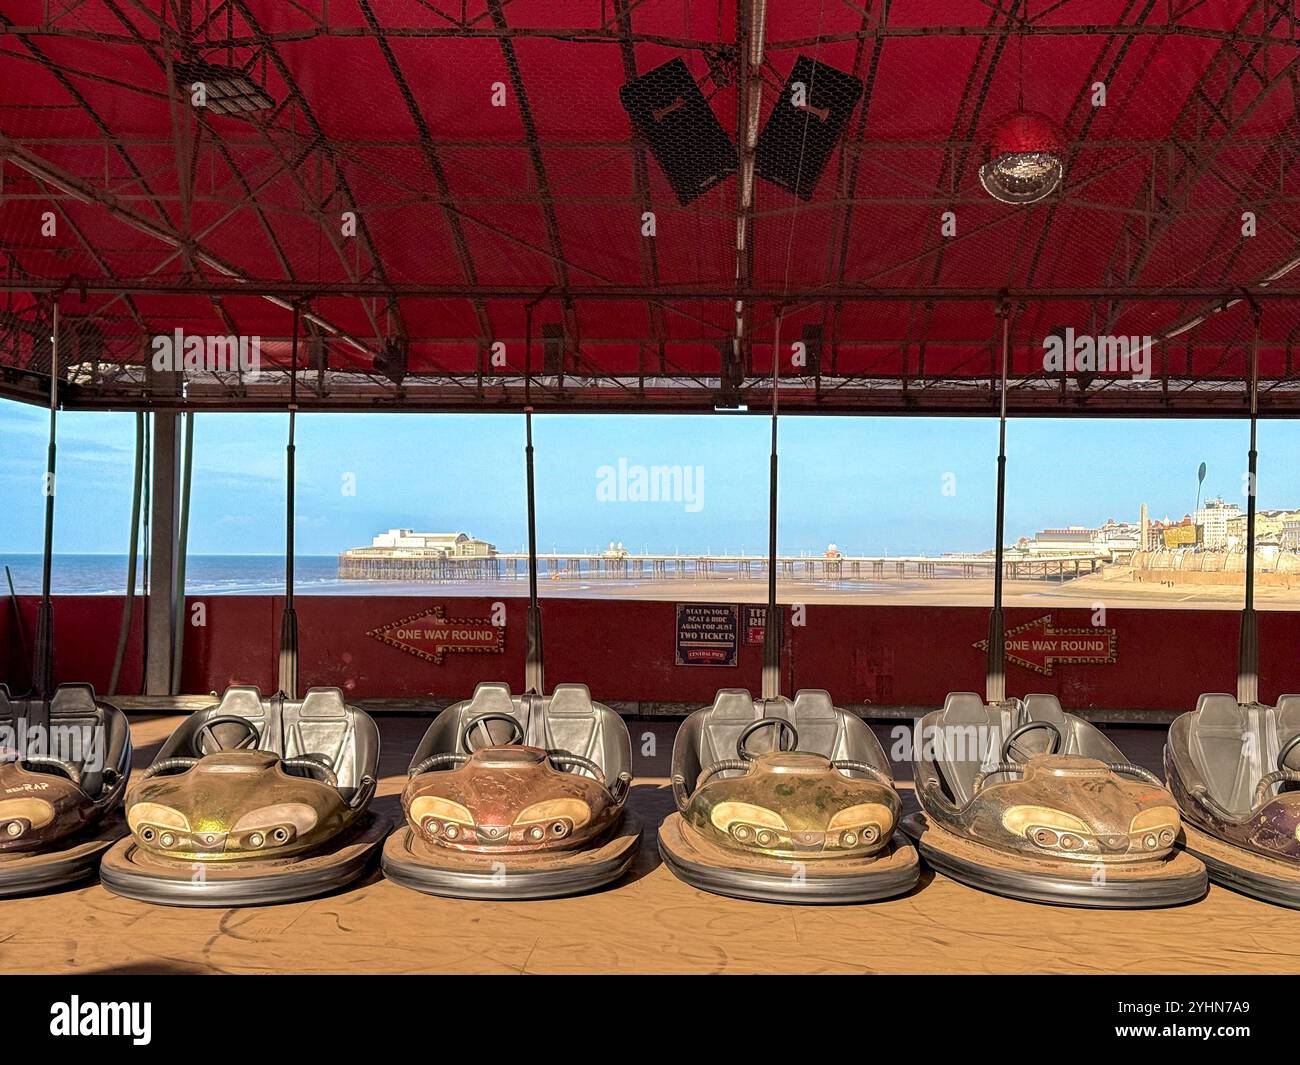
{"x":1234,"y":769}
{"x":784,"y":800}
{"x":253,"y":801}
{"x":1025,"y":800}
{"x":517,"y":797}
{"x":63,"y":770}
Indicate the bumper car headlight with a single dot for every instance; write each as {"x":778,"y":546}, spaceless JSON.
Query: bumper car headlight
{"x":163,"y":838}
{"x":553,"y":819}
{"x":260,"y":838}
{"x":296,"y":816}
{"x":441,"y":818}
{"x":151,"y":813}
{"x":730,"y":817}
{"x":551,"y":812}
{"x":749,"y":825}
{"x":1041,"y":821}
{"x":753,"y":835}
{"x":26,"y":814}
{"x":856,"y":836}
{"x":434,"y":806}
{"x":1155,"y":819}
{"x":1154,"y":828}
{"x":158,"y":826}
{"x":859,"y":825}
{"x":269,"y":826}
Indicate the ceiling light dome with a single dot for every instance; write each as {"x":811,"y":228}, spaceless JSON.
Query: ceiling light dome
{"x":1024,"y":159}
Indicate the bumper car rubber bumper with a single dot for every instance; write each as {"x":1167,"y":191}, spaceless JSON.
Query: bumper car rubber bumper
{"x":703,"y":864}
{"x":1247,"y":872}
{"x":1169,"y":881}
{"x":543,"y":875}
{"x":74,"y":859}
{"x":131,"y":871}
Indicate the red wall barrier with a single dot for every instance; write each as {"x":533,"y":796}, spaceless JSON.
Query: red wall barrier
{"x":625,"y":650}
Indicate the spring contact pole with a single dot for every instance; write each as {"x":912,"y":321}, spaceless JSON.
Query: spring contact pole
{"x":43,"y":663}
{"x":1248,"y":646}
{"x":772,"y":625}
{"x":289,"y":619}
{"x":995,"y":679}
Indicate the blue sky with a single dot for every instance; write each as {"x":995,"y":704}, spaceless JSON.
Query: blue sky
{"x":871,"y":485}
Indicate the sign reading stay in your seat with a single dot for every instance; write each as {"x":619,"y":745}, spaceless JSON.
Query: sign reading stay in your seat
{"x":1038,"y":645}
{"x":708,"y":634}
{"x":430,"y":634}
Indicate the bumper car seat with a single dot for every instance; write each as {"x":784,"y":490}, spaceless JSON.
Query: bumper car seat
{"x":517,"y":797}
{"x":253,"y":801}
{"x":1234,"y":769}
{"x":1025,"y":800}
{"x":784,"y":801}
{"x":63,"y":772}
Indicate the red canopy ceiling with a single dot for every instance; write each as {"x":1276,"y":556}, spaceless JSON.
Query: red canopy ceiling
{"x":168,"y":215}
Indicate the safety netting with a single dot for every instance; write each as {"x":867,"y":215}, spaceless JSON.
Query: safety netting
{"x":631,"y":204}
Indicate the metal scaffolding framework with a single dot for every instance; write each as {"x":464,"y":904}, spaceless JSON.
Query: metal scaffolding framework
{"x":425,"y":170}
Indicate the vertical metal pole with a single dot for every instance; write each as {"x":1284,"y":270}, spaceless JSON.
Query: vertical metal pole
{"x":534,"y":662}
{"x":289,"y":620}
{"x":128,"y":604}
{"x":43,"y":664}
{"x":18,"y":622}
{"x":534,"y":679}
{"x":182,"y":548}
{"x":995,"y":678}
{"x":1248,"y":647}
{"x":164,"y":502}
{"x":773,"y":624}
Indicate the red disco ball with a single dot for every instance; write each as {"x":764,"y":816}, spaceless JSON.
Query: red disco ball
{"x":1024,"y":159}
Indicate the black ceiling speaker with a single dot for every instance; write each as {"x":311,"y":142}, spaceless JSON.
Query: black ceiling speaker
{"x":392,"y":361}
{"x":227,"y":90}
{"x":552,"y":348}
{"x":669,"y":111}
{"x":805,"y":125}
{"x":812,"y":344}
{"x":1082,"y":378}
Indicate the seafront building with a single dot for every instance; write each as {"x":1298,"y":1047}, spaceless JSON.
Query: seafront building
{"x":447,"y":545}
{"x":1213,"y":518}
{"x":1216,"y":528}
{"x":404,"y":554}
{"x":1113,"y":540}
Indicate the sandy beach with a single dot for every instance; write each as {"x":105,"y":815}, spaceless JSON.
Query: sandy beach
{"x":1082,"y":592}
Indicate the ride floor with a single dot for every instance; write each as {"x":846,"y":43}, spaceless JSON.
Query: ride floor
{"x":649,"y":922}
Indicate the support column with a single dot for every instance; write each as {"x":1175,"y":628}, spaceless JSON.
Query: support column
{"x":164,"y":521}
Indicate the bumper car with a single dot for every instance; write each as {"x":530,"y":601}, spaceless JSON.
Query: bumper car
{"x":517,"y":797}
{"x":63,"y":770}
{"x":253,"y":801}
{"x":784,"y":800}
{"x":1233,"y":769}
{"x":1025,"y":800}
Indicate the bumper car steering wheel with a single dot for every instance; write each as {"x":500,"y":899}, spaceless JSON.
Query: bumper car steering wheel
{"x":564,"y":759}
{"x":1010,"y":765}
{"x":1006,"y":764}
{"x":205,"y":735}
{"x":1009,"y":744}
{"x":516,"y":731}
{"x":205,"y":738}
{"x":783,"y":729}
{"x":745,"y":757}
